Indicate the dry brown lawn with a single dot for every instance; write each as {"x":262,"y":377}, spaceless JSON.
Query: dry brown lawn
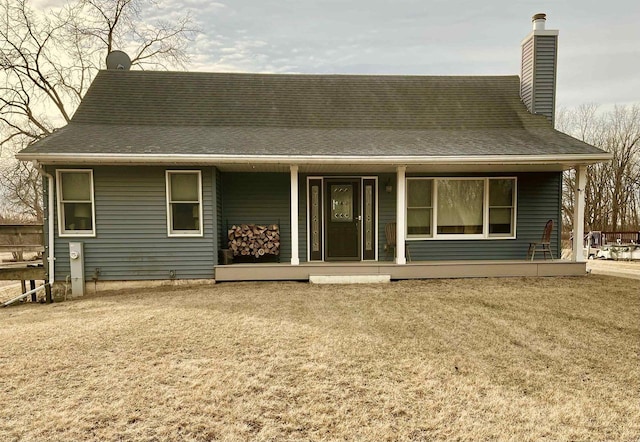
{"x":481,"y":359}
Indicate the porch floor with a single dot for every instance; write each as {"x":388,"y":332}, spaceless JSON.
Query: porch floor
{"x":412,"y":270}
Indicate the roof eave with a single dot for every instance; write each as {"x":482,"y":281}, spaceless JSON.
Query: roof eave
{"x":570,"y":160}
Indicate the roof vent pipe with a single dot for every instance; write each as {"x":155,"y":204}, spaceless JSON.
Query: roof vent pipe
{"x":539,"y":21}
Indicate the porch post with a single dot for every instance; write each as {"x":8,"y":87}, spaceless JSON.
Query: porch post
{"x":578,"y":214}
{"x":400,"y":214}
{"x":295,"y":259}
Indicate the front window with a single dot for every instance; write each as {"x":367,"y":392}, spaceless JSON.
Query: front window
{"x":76,"y":208}
{"x":419,"y":207}
{"x":501,"y":207}
{"x":461,"y":208}
{"x":184,"y":203}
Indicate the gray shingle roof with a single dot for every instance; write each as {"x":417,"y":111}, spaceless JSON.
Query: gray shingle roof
{"x":143,"y":112}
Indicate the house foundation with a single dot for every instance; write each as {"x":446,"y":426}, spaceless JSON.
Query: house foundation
{"x":413,"y":270}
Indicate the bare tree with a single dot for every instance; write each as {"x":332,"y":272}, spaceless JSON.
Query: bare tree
{"x":613,"y":189}
{"x":20,"y":191}
{"x":48,"y":59}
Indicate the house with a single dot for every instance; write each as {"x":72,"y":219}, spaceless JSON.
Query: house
{"x":155,"y":168}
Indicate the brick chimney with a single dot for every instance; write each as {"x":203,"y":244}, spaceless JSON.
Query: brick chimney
{"x":539,"y":67}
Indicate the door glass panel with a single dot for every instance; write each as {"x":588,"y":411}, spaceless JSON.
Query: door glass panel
{"x":315,"y":218}
{"x":342,"y":203}
{"x":368,"y":217}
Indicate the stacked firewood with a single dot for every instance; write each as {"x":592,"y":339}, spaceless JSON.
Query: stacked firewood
{"x":254,"y":240}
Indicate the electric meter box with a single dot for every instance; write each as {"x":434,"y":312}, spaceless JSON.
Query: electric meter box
{"x":76,"y":261}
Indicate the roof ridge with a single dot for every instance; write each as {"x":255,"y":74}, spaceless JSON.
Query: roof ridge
{"x":302,"y":74}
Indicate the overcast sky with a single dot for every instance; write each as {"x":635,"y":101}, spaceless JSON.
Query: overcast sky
{"x":599,"y":42}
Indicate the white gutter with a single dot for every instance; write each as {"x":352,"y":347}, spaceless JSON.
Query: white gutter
{"x":311,"y":159}
{"x":50,"y":229}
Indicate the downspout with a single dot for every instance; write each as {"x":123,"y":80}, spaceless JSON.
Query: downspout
{"x":50,"y":229}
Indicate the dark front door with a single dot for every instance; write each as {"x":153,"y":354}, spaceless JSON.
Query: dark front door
{"x":342,"y":213}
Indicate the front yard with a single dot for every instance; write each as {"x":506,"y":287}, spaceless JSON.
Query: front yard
{"x":478,"y":359}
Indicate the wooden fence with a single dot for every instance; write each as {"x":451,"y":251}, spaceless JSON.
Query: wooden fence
{"x":623,"y":237}
{"x":21,"y":238}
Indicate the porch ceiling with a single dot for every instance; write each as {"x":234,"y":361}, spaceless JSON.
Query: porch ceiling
{"x":362,"y":169}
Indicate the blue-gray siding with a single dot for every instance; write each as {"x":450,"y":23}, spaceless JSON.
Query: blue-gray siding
{"x":538,"y":74}
{"x":386,"y":213}
{"x":215,"y":213}
{"x":545,"y":77}
{"x":258,"y":198}
{"x":220,"y":238}
{"x":131,"y":222}
{"x":131,"y":240}
{"x":526,"y":74}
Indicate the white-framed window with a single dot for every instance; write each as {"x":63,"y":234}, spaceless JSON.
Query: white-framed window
{"x":76,"y":208}
{"x":502,"y":207}
{"x":419,"y":207}
{"x":184,"y":202}
{"x":461,"y":208}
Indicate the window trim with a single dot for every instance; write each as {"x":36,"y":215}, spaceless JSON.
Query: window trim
{"x":429,"y":207}
{"x":485,"y":235}
{"x":183,"y":233}
{"x":514,"y":207}
{"x":75,"y":233}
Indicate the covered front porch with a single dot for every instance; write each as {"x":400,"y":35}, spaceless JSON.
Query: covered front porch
{"x":529,"y":203}
{"x":410,"y":270}
{"x":536,"y":192}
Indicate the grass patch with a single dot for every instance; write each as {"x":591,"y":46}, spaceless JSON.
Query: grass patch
{"x":476,"y":359}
